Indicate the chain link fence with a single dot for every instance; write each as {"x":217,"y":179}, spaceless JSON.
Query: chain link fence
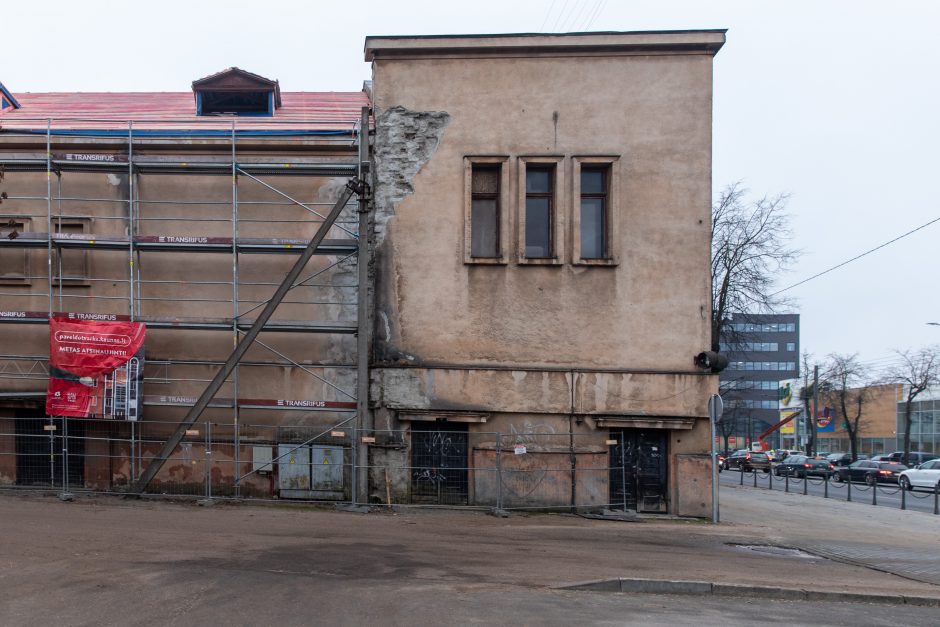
{"x":441,"y":465}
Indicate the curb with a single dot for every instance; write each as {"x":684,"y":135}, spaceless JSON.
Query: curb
{"x":665,"y":586}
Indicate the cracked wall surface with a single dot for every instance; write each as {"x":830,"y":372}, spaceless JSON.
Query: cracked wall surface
{"x":405,"y":141}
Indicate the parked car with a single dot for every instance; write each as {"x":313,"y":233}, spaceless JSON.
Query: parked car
{"x":870,"y":471}
{"x":748,"y":461}
{"x":882,"y":458}
{"x":803,"y":466}
{"x":926,"y":475}
{"x":783,"y":453}
{"x":913,"y":458}
{"x":843,"y":459}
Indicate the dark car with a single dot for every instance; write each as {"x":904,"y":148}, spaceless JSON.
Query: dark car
{"x":803,"y":466}
{"x":843,"y":459}
{"x":748,"y":461}
{"x":913,"y":458}
{"x":869,"y":471}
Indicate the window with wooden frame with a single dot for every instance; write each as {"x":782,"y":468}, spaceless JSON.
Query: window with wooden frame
{"x":594,"y":220}
{"x":484,"y":211}
{"x":70,"y":265}
{"x":540,"y":213}
{"x":14,"y":260}
{"x":485,"y":216}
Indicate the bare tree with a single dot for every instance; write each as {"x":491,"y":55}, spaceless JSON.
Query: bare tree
{"x":730,"y":421}
{"x":749,"y":250}
{"x":842,"y":381}
{"x":917,"y":371}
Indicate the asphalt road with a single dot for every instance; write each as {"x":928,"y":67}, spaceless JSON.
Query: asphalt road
{"x":887,"y":495}
{"x":104,"y":561}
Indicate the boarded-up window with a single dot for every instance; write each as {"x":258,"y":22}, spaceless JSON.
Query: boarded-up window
{"x":14,"y":260}
{"x":484,"y":211}
{"x":70,"y":265}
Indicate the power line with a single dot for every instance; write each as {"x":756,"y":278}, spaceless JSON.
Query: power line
{"x":857,"y":257}
{"x":545,"y":20}
{"x":594,"y":16}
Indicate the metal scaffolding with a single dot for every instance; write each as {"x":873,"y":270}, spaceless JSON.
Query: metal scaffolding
{"x":129,"y":226}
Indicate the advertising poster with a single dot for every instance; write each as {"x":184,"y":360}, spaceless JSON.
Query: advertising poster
{"x":96,"y":368}
{"x":825,"y":420}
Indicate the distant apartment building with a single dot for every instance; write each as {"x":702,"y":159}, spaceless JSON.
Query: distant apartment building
{"x":763,"y":350}
{"x":881,"y":427}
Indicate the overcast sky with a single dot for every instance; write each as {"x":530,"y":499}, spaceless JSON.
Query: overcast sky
{"x":835,"y":103}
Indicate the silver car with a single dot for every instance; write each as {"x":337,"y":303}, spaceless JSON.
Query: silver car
{"x":927,"y":475}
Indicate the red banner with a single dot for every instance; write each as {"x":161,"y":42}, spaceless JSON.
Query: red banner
{"x":95,"y":368}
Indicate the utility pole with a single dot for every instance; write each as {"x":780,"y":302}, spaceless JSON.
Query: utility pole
{"x":812,"y":421}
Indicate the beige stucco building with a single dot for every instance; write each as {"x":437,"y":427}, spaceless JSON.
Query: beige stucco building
{"x":538,"y":283}
{"x":542,"y":258}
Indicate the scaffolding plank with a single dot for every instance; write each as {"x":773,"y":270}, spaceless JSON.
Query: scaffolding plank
{"x":220,"y":168}
{"x":209,"y":324}
{"x":182,"y":243}
{"x":297,"y":404}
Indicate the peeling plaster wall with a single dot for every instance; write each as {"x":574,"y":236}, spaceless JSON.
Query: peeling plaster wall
{"x":404,"y":141}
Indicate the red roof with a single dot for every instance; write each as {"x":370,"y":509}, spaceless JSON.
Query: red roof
{"x":176,"y":111}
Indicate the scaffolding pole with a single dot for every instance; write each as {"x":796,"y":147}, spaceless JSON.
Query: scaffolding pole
{"x":354,"y":186}
{"x":360,"y":450}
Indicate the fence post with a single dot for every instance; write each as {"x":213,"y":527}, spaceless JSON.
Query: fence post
{"x":499,"y":471}
{"x":51,"y":452}
{"x":786,"y":482}
{"x":848,"y":483}
{"x":805,"y":484}
{"x":208,"y":462}
{"x":741,"y":472}
{"x":936,"y":498}
{"x":623,"y":472}
{"x":903,"y":496}
{"x":874,"y":492}
{"x":754,"y":472}
{"x":770,"y":479}
{"x":65,"y":457}
{"x":826,"y":479}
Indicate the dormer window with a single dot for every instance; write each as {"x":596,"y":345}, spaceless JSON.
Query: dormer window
{"x":236,"y":92}
{"x":7,"y":101}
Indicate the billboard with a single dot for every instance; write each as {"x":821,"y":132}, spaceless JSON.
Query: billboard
{"x":96,"y":368}
{"x":790,"y":395}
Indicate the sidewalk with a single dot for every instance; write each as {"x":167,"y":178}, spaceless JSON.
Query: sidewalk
{"x":905,"y":543}
{"x":89,"y":556}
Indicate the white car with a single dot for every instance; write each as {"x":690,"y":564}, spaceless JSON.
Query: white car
{"x":927,"y":475}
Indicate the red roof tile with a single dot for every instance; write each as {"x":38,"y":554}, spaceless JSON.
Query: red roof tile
{"x":176,"y":111}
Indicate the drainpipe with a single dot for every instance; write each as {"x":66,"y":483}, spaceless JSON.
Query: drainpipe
{"x":573,"y":457}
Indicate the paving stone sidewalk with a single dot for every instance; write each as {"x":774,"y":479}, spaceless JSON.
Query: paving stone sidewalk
{"x":904,"y":543}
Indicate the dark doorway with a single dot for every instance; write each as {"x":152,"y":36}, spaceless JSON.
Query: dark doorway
{"x":39,"y":452}
{"x":638,"y":470}
{"x":439,"y":463}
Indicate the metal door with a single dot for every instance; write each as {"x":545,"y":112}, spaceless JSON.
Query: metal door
{"x":327,"y":468}
{"x":293,"y":469}
{"x":39,"y":452}
{"x":638,"y":470}
{"x":439,"y":463}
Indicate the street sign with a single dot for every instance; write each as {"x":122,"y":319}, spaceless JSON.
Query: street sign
{"x":715,"y":408}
